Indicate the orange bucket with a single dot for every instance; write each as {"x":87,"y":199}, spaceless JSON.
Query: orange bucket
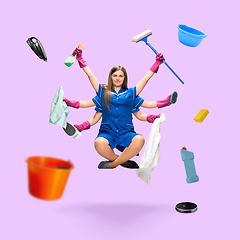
{"x":47,"y":177}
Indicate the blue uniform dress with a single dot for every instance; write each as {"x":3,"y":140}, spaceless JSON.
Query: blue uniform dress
{"x":117,"y":126}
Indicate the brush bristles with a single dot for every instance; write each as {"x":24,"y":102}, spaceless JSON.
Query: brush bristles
{"x":142,"y":35}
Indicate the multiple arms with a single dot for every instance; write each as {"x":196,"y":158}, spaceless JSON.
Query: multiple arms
{"x":97,"y":116}
{"x":153,"y":69}
{"x":93,"y":80}
{"x":147,"y":104}
{"x":146,"y":117}
{"x":87,"y":104}
{"x":86,"y":125}
{"x":83,"y":64}
{"x":143,"y":82}
{"x":79,"y":104}
{"x":140,"y":116}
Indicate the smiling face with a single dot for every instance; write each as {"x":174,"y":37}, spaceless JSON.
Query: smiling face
{"x":118,"y":78}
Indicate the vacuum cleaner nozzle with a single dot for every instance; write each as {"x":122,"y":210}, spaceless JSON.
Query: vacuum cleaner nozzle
{"x":37,"y":47}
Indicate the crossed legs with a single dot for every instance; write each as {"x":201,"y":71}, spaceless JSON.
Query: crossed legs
{"x":102,"y":147}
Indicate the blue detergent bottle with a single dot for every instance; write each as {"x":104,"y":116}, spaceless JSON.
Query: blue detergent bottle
{"x":187,"y":158}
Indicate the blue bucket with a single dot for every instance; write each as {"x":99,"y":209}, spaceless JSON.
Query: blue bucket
{"x":190,"y":36}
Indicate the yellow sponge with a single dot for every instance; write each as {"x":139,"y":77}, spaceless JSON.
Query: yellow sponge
{"x":201,"y":115}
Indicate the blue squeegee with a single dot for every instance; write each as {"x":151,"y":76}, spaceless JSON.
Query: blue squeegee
{"x":143,"y":37}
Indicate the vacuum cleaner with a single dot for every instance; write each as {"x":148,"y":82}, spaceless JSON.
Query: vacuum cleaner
{"x":37,"y":47}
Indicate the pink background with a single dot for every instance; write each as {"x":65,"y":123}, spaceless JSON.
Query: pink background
{"x":116,"y":204}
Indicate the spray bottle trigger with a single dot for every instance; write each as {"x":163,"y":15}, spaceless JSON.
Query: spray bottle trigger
{"x":80,"y":46}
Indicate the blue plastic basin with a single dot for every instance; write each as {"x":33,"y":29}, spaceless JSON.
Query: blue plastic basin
{"x":190,"y":36}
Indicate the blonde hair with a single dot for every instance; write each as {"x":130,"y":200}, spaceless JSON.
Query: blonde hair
{"x":108,"y":88}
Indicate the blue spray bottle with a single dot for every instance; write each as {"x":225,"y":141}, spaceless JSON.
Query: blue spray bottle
{"x":187,"y":158}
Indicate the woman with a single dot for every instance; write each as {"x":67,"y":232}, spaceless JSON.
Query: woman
{"x":117,"y":101}
{"x":71,"y":131}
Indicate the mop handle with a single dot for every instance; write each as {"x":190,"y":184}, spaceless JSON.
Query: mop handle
{"x":164,"y":62}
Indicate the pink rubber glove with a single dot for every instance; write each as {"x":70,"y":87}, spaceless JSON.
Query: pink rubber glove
{"x":84,"y":126}
{"x":171,"y":99}
{"x":164,"y":103}
{"x":159,"y":61}
{"x":82,"y":63}
{"x":151,"y":118}
{"x":74,"y":104}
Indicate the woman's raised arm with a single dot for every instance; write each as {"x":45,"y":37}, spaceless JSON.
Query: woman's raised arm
{"x":153,"y":69}
{"x":83,"y":64}
{"x":143,"y":82}
{"x":93,"y":80}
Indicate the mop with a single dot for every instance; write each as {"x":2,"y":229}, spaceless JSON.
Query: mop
{"x":143,"y":37}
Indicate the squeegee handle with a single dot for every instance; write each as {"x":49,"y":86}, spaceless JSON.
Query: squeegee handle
{"x":165,"y":62}
{"x":152,"y":47}
{"x":173,"y":72}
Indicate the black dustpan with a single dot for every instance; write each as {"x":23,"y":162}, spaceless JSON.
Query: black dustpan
{"x":37,"y":47}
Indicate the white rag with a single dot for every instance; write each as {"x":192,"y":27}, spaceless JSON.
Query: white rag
{"x":151,"y":154}
{"x":59,"y":110}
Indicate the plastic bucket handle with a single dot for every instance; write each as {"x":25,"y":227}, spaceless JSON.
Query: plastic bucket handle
{"x":50,"y":166}
{"x":202,"y":35}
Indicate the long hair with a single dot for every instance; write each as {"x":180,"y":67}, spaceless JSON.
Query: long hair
{"x":108,"y":88}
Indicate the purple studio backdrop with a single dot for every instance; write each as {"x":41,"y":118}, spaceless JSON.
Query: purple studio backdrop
{"x":116,"y":204}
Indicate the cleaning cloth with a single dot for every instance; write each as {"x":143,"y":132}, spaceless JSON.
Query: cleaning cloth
{"x":151,"y":154}
{"x":59,"y":110}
